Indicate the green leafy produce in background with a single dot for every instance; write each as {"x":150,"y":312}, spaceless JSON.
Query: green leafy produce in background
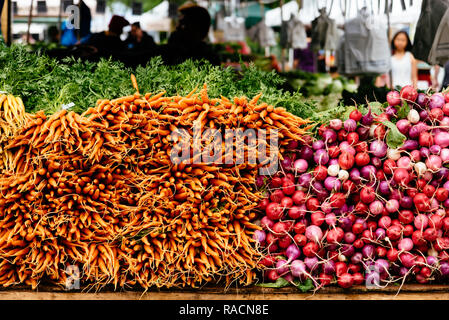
{"x":318,"y":88}
{"x":46,"y":84}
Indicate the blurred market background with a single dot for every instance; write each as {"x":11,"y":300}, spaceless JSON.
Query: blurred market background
{"x":279,"y":36}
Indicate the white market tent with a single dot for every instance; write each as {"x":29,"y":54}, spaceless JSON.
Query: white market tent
{"x":310,"y":11}
{"x":151,"y":21}
{"x":273,"y":16}
{"x":344,"y":10}
{"x":35,"y":29}
{"x":100,"y":21}
{"x":156,"y":19}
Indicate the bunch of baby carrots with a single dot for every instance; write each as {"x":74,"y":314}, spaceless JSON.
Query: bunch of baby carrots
{"x":12,"y":118}
{"x":99,"y":193}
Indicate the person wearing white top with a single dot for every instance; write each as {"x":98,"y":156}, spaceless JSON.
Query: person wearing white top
{"x":404,"y":69}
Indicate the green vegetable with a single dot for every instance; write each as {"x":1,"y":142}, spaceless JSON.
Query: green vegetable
{"x":319,"y":89}
{"x":350,"y":86}
{"x":395,"y":138}
{"x":376,"y":108}
{"x":336,"y":86}
{"x":348,"y":112}
{"x":403,"y":111}
{"x":280,"y":283}
{"x":339,"y":112}
{"x":46,"y":84}
{"x":304,"y":286}
{"x":323,"y":81}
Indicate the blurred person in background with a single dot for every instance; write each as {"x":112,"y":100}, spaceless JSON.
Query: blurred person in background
{"x":274,"y":62}
{"x":440,"y":78}
{"x":140,"y":47}
{"x":321,"y":61}
{"x":85,"y":21}
{"x":138,"y":39}
{"x":188,"y":40}
{"x":445,"y":83}
{"x":305,"y":59}
{"x":53,"y":34}
{"x":404,"y":70}
{"x":108,"y":43}
{"x":68,"y":36}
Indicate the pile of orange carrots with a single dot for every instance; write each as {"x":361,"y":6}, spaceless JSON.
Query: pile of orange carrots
{"x":99,"y":193}
{"x":12,"y":118}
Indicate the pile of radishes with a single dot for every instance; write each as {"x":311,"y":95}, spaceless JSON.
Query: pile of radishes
{"x":346,"y":208}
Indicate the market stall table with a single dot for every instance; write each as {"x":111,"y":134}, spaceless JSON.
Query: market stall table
{"x":407,"y":292}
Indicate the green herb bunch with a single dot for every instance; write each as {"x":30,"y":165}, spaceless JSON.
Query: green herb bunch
{"x":46,"y":84}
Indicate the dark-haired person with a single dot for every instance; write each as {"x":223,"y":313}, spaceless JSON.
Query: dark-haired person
{"x":141,"y":47}
{"x":139,"y":40}
{"x":108,"y":43}
{"x":404,"y":69}
{"x":305,"y":59}
{"x":436,"y":85}
{"x":445,"y":83}
{"x":188,"y":40}
{"x":53,"y":34}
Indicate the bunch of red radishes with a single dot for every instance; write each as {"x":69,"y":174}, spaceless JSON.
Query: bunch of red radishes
{"x":346,"y":208}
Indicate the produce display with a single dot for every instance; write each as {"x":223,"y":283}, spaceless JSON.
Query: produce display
{"x":366,"y":202}
{"x":12,"y":118}
{"x":100,"y":192}
{"x":317,"y":84}
{"x":46,"y":84}
{"x":102,"y":188}
{"x":321,"y":89}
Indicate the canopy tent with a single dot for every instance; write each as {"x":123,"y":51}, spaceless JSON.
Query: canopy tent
{"x":156,"y":19}
{"x":100,"y":21}
{"x":252,"y":11}
{"x":273,"y":16}
{"x":37,"y":30}
{"x":335,"y":9}
{"x":147,"y":5}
